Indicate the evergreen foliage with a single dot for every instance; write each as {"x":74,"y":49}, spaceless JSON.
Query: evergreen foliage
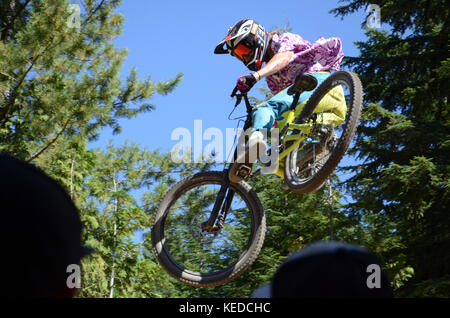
{"x":60,"y":85}
{"x":401,"y":190}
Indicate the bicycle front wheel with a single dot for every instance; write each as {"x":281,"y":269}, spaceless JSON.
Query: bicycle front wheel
{"x":309,"y":165}
{"x":197,"y":257}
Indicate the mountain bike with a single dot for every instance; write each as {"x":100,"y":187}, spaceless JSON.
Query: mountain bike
{"x":208,"y":230}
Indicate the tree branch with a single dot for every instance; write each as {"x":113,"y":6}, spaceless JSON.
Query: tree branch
{"x":9,"y":21}
{"x":12,"y":96}
{"x":93,"y":12}
{"x":50,"y":143}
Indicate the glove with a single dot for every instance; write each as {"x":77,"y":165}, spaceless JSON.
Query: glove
{"x":245,"y":83}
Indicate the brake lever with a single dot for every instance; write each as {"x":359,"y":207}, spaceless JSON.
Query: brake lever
{"x":238,"y":96}
{"x":239,"y":99}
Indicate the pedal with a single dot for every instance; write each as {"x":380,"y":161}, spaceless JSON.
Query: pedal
{"x":244,"y":171}
{"x":239,"y":172}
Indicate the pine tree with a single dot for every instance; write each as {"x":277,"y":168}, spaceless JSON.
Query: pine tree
{"x":115,"y":217}
{"x":59,"y":79}
{"x":60,"y":84}
{"x":401,"y":189}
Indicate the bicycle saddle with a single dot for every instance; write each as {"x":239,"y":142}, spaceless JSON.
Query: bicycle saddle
{"x":303,"y":82}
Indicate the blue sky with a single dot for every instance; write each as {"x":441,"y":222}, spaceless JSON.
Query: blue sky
{"x":165,"y":38}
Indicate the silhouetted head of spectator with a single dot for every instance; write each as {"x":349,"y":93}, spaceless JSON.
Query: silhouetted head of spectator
{"x":328,"y":269}
{"x":41,"y":232}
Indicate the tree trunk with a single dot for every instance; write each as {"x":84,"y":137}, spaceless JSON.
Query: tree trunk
{"x":7,"y":27}
{"x":71,"y":180}
{"x":7,"y":21}
{"x":111,"y":282}
{"x":330,"y":202}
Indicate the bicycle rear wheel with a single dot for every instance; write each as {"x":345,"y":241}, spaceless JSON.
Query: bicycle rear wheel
{"x":309,"y":165}
{"x":197,"y":257}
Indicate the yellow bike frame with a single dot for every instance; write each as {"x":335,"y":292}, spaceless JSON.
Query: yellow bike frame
{"x":294,"y":140}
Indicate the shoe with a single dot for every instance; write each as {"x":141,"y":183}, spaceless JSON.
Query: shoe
{"x":254,"y":149}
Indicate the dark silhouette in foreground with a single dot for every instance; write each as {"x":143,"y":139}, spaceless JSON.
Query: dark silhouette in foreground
{"x":41,"y":232}
{"x":331,"y":270}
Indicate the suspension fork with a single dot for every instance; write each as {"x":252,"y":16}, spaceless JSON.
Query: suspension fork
{"x":222,"y":203}
{"x":225,"y":191}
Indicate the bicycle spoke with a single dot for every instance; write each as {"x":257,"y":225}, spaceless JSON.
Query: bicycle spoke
{"x":200,"y":250}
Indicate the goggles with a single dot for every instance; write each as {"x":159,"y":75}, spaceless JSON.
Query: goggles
{"x":242,"y":52}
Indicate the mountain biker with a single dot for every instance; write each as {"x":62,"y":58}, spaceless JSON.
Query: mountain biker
{"x":286,"y":56}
